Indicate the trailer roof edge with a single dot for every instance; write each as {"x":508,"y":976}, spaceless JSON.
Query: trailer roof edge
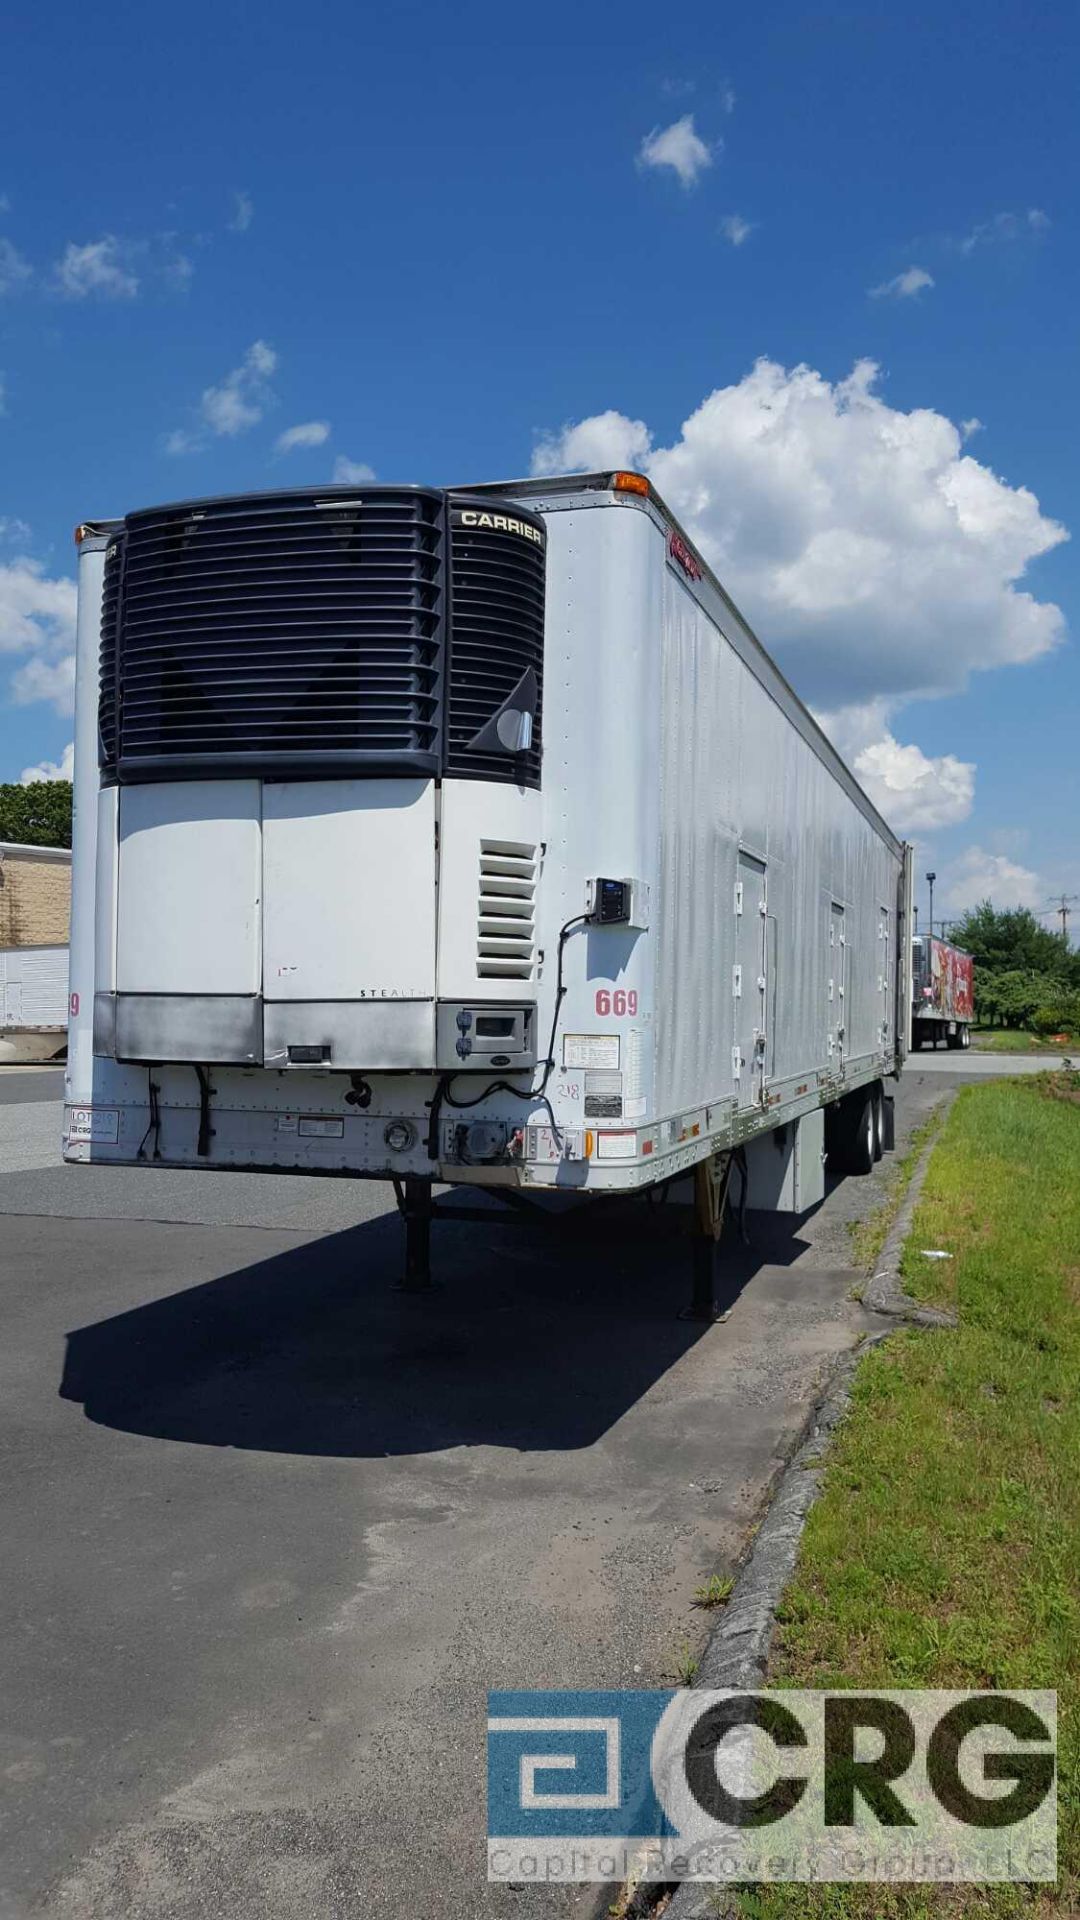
{"x":771,"y":677}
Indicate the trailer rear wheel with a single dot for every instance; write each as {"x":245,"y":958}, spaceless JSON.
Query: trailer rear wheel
{"x":960,"y":1040}
{"x":854,"y":1133}
{"x":879,"y":1123}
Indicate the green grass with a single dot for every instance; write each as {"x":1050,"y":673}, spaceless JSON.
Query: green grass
{"x":716,"y":1592}
{"x":869,"y":1236}
{"x":945,"y":1549}
{"x":1015,"y":1040}
{"x":685,"y":1664}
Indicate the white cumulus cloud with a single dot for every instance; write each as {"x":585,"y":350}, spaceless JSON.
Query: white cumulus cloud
{"x":351,"y":473}
{"x":35,"y":612}
{"x":736,"y":229}
{"x":903,"y":286}
{"x":178,"y":271}
{"x":978,"y":875}
{"x":1006,"y":227}
{"x":99,"y":268}
{"x":62,"y":769}
{"x":237,"y":403}
{"x":915,"y":792}
{"x":677,"y":147}
{"x":14,"y":270}
{"x":309,"y":433}
{"x":877,"y":559}
{"x":37,"y":621}
{"x":603,"y":440}
{"x":875,"y":555}
{"x":49,"y":680}
{"x":243,"y":212}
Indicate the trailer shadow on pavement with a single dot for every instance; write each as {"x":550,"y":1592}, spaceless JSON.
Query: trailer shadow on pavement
{"x":538,"y":1336}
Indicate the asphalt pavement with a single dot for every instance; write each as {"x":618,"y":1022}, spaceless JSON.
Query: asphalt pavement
{"x":979,"y":1066}
{"x":271,"y":1528}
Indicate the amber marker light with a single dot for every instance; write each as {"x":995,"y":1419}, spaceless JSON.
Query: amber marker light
{"x":630,"y":483}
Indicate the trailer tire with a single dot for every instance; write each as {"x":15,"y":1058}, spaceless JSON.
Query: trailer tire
{"x":916,"y":1040}
{"x":855,"y":1133}
{"x":879,"y":1122}
{"x":960,"y":1040}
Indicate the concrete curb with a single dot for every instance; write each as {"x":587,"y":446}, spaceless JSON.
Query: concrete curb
{"x":738,"y":1650}
{"x":884,"y":1293}
{"x":737,"y":1653}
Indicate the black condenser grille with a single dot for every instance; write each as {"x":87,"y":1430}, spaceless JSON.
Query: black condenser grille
{"x":497,"y":576}
{"x":308,"y":634}
{"x":276,"y":633}
{"x":110,"y":607}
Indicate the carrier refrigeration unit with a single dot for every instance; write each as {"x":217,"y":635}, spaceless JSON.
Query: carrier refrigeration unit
{"x":465,"y":836}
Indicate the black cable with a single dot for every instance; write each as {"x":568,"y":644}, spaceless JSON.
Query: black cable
{"x":442,"y":1094}
{"x":150,"y":1101}
{"x":206,"y":1131}
{"x":153,"y":1124}
{"x":434,"y":1105}
{"x":578,"y":920}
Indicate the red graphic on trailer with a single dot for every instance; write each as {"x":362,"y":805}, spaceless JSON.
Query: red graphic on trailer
{"x":952,"y":981}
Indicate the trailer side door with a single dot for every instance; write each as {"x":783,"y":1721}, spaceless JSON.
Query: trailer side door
{"x":749,"y":982}
{"x":885,"y":989}
{"x":837,"y":977}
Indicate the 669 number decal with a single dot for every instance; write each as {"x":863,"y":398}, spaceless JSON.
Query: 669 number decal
{"x":617,"y":1002}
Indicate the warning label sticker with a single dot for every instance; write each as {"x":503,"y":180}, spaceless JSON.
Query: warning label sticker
{"x":597,"y":1052}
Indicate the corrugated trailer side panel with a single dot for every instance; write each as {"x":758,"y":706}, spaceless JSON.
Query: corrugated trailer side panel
{"x":33,"y":986}
{"x":745,"y":794}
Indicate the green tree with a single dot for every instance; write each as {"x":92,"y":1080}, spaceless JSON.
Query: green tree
{"x":1062,"y":1016}
{"x":1010,"y":939}
{"x":38,"y":815}
{"x":1020,"y":992}
{"x":988,"y":1006}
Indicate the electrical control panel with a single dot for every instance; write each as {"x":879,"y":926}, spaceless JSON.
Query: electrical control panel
{"x":484,"y":1037}
{"x":617,"y":903}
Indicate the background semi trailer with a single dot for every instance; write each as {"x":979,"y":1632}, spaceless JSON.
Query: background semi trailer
{"x":33,"y":1003}
{"x":465,"y":836}
{"x":943,"y":993}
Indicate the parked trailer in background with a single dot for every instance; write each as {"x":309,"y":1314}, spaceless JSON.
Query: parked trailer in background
{"x":33,"y":1004}
{"x":470,"y":836}
{"x":943,"y":993}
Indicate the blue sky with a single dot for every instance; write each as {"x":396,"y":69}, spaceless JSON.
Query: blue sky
{"x":467,"y":240}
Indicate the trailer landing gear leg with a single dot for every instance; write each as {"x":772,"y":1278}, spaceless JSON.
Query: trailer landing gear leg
{"x":710,"y":1194}
{"x":415,"y":1206}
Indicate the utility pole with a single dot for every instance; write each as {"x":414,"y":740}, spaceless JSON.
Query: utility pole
{"x":931,"y":877}
{"x":1063,"y":909}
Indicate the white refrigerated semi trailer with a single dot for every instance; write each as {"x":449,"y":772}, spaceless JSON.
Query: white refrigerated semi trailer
{"x":464,"y":835}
